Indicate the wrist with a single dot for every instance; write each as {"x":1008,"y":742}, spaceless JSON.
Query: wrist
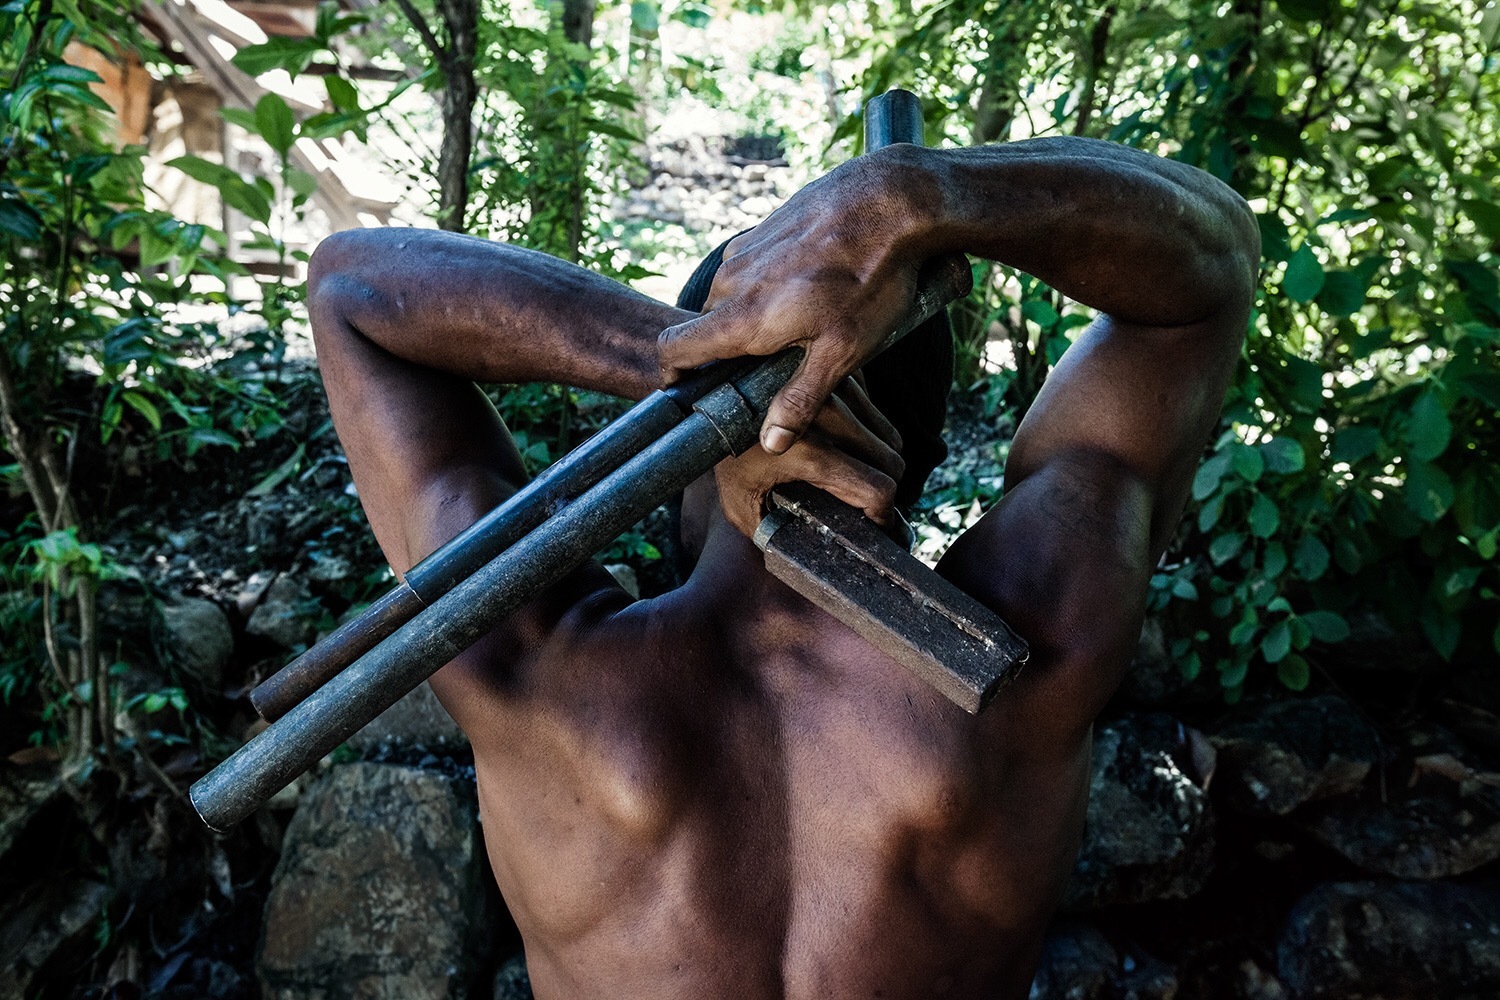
{"x":910,"y":202}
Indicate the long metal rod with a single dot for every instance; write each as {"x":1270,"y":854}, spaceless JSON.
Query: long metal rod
{"x":895,"y":116}
{"x":418,"y":641}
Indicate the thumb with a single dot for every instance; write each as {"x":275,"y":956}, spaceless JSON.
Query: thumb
{"x":791,"y":413}
{"x":697,"y":342}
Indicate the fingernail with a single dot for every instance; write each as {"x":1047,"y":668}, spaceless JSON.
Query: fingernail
{"x":776,"y":439}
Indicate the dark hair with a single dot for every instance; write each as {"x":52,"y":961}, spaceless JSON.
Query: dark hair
{"x":908,"y":382}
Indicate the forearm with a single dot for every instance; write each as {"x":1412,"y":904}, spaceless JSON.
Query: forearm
{"x":490,"y":312}
{"x":1141,"y":238}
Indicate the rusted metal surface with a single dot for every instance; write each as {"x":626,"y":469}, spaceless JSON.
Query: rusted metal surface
{"x":841,"y":561}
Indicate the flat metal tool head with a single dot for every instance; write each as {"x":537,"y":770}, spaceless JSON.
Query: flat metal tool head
{"x":842,"y":562}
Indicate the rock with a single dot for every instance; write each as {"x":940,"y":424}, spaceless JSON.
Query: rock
{"x":1252,"y":982}
{"x":40,"y":922}
{"x":381,"y":891}
{"x":1278,"y":756}
{"x":1077,"y":963}
{"x":1442,"y":821}
{"x":254,"y":589}
{"x":757,"y":207}
{"x":1393,"y":941}
{"x":283,"y":615}
{"x":197,"y":639}
{"x":331,"y":569}
{"x":24,"y":792}
{"x":417,"y":720}
{"x":1149,"y":831}
{"x":1143,"y":977}
{"x":512,"y":982}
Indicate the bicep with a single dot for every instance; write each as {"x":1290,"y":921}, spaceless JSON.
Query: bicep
{"x":428,"y":453}
{"x":1095,"y":484}
{"x":1145,"y":398}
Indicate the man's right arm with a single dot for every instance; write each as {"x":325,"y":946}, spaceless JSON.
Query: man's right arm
{"x":1099,"y":470}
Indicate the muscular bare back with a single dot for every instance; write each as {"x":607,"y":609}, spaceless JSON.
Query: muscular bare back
{"x":722,"y":791}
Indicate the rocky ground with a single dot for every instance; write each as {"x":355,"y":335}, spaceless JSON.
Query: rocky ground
{"x":1344,"y":843}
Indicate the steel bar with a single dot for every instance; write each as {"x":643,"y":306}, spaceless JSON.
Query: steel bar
{"x":839,"y":560}
{"x":400,"y":644}
{"x":724,"y":422}
{"x":895,"y":116}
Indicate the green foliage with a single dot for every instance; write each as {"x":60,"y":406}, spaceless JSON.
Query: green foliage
{"x":1354,"y":471}
{"x":91,"y":281}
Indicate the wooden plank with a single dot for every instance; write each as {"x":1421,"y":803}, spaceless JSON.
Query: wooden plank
{"x":237,"y":89}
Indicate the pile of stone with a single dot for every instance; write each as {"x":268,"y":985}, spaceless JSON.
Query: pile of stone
{"x":694,"y":184}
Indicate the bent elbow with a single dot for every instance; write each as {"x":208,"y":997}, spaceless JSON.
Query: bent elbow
{"x":336,"y":256}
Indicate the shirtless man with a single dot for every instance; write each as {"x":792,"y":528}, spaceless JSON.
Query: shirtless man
{"x":722,"y":792}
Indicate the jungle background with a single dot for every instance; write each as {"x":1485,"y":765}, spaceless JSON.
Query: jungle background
{"x":1296,"y":793}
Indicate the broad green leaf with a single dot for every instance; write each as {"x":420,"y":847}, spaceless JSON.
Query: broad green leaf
{"x":1294,"y":672}
{"x":1209,"y":474}
{"x":1184,"y":589}
{"x":1428,"y":492}
{"x":1208,"y":516}
{"x":239,"y":116}
{"x":19,"y":219}
{"x":301,"y":182}
{"x":1248,"y":464}
{"x":1225,"y":547}
{"x":1301,"y":633}
{"x":1264,"y":518}
{"x":1486,"y":216}
{"x":1429,"y":429}
{"x":1274,"y":238}
{"x":1342,"y":294}
{"x":1310,"y":558}
{"x":64,"y":73}
{"x":275,"y":123}
{"x":1283,"y":455}
{"x":341,"y":93}
{"x":1232,"y":673}
{"x":199,"y":169}
{"x":1304,"y":275}
{"x":1277,"y":643}
{"x":144,"y":407}
{"x":290,"y":54}
{"x":1040,"y":312}
{"x":1354,"y":443}
{"x":1443,"y":629}
{"x":1327,"y":626}
{"x":1274,"y":562}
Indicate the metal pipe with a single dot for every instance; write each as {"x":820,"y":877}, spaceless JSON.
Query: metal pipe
{"x":417,"y":641}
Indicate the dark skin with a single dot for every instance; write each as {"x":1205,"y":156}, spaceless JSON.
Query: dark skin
{"x":722,"y":791}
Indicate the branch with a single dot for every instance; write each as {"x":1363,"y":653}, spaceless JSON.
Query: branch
{"x":439,"y":51}
{"x":32,"y":469}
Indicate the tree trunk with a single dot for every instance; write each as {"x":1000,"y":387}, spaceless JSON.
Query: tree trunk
{"x":461,"y":22}
{"x":578,"y":27}
{"x":1097,"y":55}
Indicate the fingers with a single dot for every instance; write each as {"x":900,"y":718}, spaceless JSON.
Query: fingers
{"x":793,"y":410}
{"x":839,"y":426}
{"x":852,"y":391}
{"x":856,"y":483}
